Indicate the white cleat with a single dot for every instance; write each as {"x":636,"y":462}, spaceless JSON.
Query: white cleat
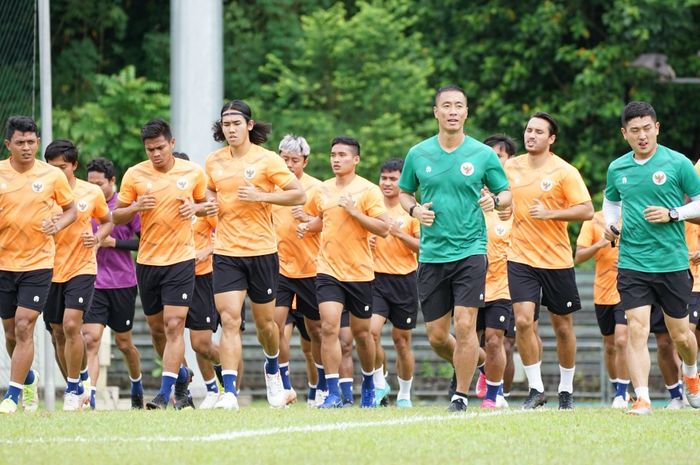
{"x":30,"y":394}
{"x":227,"y":401}
{"x":675,"y":404}
{"x":321,"y":397}
{"x":209,"y":401}
{"x":72,"y":401}
{"x":501,"y":402}
{"x":291,"y":396}
{"x":276,"y":396}
{"x":620,"y":403}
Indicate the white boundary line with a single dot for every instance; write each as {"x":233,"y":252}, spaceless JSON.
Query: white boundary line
{"x":233,"y":435}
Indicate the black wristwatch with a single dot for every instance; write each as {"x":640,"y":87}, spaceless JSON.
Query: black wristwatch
{"x":673,"y":215}
{"x":496,"y":201}
{"x":410,"y":210}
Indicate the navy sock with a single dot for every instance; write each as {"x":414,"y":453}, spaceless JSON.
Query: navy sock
{"x":492,"y":390}
{"x":272,"y":365}
{"x":229,"y":381}
{"x":500,"y":390}
{"x":367,"y":381}
{"x":13,"y":392}
{"x":284,"y":373}
{"x":621,"y":389}
{"x":30,"y":377}
{"x":219,"y":376}
{"x":312,"y":393}
{"x":333,"y":386}
{"x":84,"y":375}
{"x":136,"y":387}
{"x":322,"y":383}
{"x":72,"y":385}
{"x":167,"y":382}
{"x":183,"y":375}
{"x":675,"y":391}
{"x":211,"y":385}
{"x":346,"y":390}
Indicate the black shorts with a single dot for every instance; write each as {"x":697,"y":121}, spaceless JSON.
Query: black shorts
{"x":510,"y":331}
{"x":694,"y":308}
{"x":297,"y":319}
{"x":165,"y":285}
{"x":497,"y":314}
{"x":76,"y":294}
{"x":257,"y":275}
{"x":443,"y":286}
{"x":395,"y":297}
{"x":305,"y":291}
{"x":356,"y":297}
{"x":114,"y":308}
{"x":669,"y":290}
{"x":28,"y":289}
{"x":202,"y":314}
{"x":608,"y":316}
{"x":557,"y":287}
{"x":657,"y":325}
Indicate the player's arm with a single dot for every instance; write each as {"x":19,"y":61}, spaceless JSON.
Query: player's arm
{"x":408,"y":240}
{"x":581,"y":212}
{"x":124,"y":212}
{"x":291,"y":194}
{"x":103,"y":231}
{"x":423,"y":212}
{"x":65,"y":219}
{"x":689,"y":212}
{"x":376,"y":225}
{"x":314,"y":225}
{"x":203,"y":253}
{"x":584,"y":253}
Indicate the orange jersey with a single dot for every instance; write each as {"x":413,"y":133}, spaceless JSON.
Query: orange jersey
{"x":26,"y":200}
{"x":391,"y":255}
{"x":345,"y":252}
{"x":498,"y":233}
{"x":204,"y":227}
{"x":72,"y":257}
{"x":692,"y":238}
{"x":245,"y":228}
{"x":297,"y":256}
{"x":166,"y":237}
{"x":557,"y":185}
{"x":605,"y":284}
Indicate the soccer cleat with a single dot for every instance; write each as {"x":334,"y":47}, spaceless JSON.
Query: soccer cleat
{"x":481,"y":386}
{"x":453,"y":385}
{"x":501,"y":402}
{"x":640,"y":407}
{"x":227,"y":401}
{"x":137,"y":401}
{"x":347,"y":403}
{"x":457,"y":405}
{"x":86,"y":396}
{"x":404,"y":403}
{"x":620,"y":403}
{"x":275,"y":390}
{"x":8,"y":406}
{"x":72,"y":401}
{"x":93,"y":399}
{"x":692,"y":390}
{"x":183,"y":402}
{"x":181,"y":392}
{"x":534,"y":399}
{"x":488,"y":404}
{"x":331,"y":401}
{"x":209,"y":401}
{"x":381,"y":396}
{"x":367,"y":398}
{"x":675,"y":404}
{"x":159,"y":402}
{"x":30,"y":394}
{"x":290,"y":395}
{"x":566,"y":401}
{"x":320,"y":397}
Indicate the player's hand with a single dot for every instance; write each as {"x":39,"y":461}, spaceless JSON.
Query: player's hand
{"x":505,"y":214}
{"x":372,"y":242}
{"x":537,"y":210}
{"x":424,"y":214}
{"x":602,"y":243}
{"x":656,"y":214}
{"x":394,"y":227}
{"x":302,"y":229}
{"x":610,"y":234}
{"x":49,"y":227}
{"x":348,"y":203}
{"x":109,"y":242}
{"x":147,"y":201}
{"x":249,"y":193}
{"x":89,"y":240}
{"x":300,"y":215}
{"x":210,"y":207}
{"x":186,"y":208}
{"x":201,"y":255}
{"x":486,"y":201}
{"x":694,"y":257}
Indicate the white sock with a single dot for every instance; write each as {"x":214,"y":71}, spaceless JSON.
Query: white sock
{"x":642,"y":393}
{"x":378,"y":377}
{"x":404,"y":389}
{"x":691,"y":371}
{"x":534,"y":377}
{"x":566,"y":379}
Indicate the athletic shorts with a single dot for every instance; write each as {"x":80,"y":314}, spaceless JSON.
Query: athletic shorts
{"x":657,"y":325}
{"x":165,"y":285}
{"x":114,"y":308}
{"x":669,"y":290}
{"x":76,"y":294}
{"x":694,"y":308}
{"x":28,"y":289}
{"x":395,"y":297}
{"x":257,"y":275}
{"x":202,"y":315}
{"x":608,"y":316}
{"x":496,"y":314}
{"x":356,"y":297}
{"x":297,"y":319}
{"x":345,"y":319}
{"x":305,"y":291}
{"x":557,"y":287}
{"x":443,"y":286}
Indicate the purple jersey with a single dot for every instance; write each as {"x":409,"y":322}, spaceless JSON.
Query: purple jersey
{"x":115,"y":267}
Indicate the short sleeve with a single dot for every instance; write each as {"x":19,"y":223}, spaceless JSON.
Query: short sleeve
{"x":63,"y":194}
{"x":200,"y":188}
{"x":135,"y":224}
{"x":585,"y":237}
{"x":690,"y":181}
{"x":408,"y":181}
{"x":101,"y":208}
{"x":278,"y":173}
{"x":574,"y":188}
{"x":127,"y":192}
{"x":494,"y":176}
{"x":312,"y":205}
{"x":415,"y":227}
{"x":611,"y":192}
{"x":373,"y":202}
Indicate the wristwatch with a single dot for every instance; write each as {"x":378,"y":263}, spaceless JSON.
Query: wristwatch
{"x":496,"y":201}
{"x":410,"y":210}
{"x":673,"y":215}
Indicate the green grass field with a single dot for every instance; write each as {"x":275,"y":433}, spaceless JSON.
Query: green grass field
{"x":260,"y":435}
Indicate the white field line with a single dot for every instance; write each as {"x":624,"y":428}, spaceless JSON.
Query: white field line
{"x":233,"y":435}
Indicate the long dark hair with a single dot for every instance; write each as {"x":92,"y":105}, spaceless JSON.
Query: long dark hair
{"x":258,"y":135}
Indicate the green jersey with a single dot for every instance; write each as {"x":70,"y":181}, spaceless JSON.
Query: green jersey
{"x":662,"y":181}
{"x":452,"y":181}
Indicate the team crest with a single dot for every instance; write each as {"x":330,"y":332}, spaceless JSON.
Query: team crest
{"x":400,"y":222}
{"x":181,"y":184}
{"x":249,"y":173}
{"x":467,"y":168}
{"x":659,"y":178}
{"x":38,"y":186}
{"x":546,"y":185}
{"x":82,"y":205}
{"x":499,"y":229}
{"x":428,"y":169}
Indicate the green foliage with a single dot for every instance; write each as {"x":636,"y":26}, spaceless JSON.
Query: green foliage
{"x":110,"y":125}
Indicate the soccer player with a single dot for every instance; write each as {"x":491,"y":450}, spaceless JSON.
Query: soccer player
{"x":451,"y":169}
{"x":297,"y":260}
{"x":394,"y":290}
{"x":647,"y":187}
{"x":114,"y":301}
{"x":693,"y":240}
{"x":247,"y":180}
{"x":75,"y":270}
{"x":591,"y":243}
{"x":548,"y":192}
{"x":29,"y":188}
{"x":166,"y":192}
{"x":350,"y":209}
